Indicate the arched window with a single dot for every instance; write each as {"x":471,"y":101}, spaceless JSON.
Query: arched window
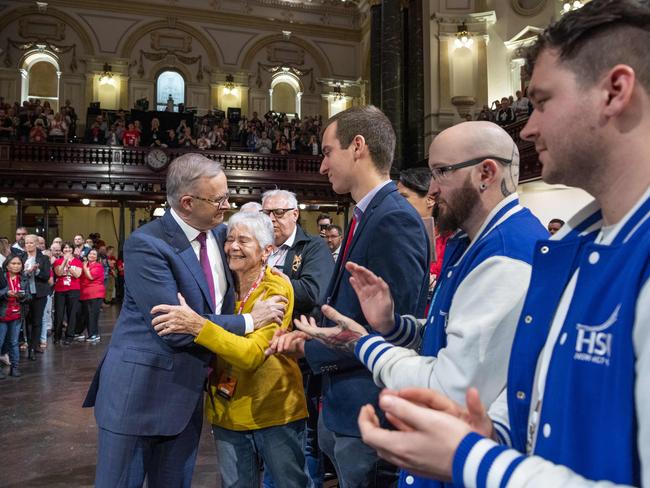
{"x":170,"y":84}
{"x":40,"y":78}
{"x":285,"y":94}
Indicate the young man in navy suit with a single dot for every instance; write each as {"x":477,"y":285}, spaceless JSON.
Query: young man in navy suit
{"x":148,"y":390}
{"x":385,"y":235}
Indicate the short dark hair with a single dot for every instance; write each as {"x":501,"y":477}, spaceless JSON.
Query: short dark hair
{"x":373,"y":125}
{"x":597,"y":37}
{"x":416,"y":179}
{"x":11,"y":256}
{"x":556,"y":221}
{"x":323,"y":216}
{"x":334,"y":227}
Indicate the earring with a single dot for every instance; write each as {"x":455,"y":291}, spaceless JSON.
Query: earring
{"x":483,"y":186}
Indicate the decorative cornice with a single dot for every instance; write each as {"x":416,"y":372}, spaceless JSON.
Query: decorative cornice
{"x":218,"y":17}
{"x":486,"y":18}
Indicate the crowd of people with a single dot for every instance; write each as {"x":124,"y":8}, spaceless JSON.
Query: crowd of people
{"x":520,"y":362}
{"x":55,"y":291}
{"x":528,"y":368}
{"x":507,"y":110}
{"x":36,"y":121}
{"x":275,"y":133}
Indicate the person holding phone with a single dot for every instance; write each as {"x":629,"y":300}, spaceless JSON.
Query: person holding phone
{"x":14,"y":291}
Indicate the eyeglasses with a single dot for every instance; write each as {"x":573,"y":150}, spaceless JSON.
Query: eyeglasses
{"x":216,"y":203}
{"x":277,"y":212}
{"x":439,"y":173}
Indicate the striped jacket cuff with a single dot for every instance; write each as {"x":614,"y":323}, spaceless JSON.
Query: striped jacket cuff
{"x":503,"y":433}
{"x":370,"y":348}
{"x":404,"y":331}
{"x":480,"y":462}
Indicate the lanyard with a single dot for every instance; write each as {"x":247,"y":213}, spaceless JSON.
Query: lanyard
{"x":252,"y":289}
{"x":14,"y":283}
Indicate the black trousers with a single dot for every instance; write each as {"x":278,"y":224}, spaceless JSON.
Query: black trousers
{"x":90,"y":316}
{"x":65,"y":303}
{"x":34,"y":322}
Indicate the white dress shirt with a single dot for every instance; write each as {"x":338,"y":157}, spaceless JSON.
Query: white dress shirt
{"x":279,"y":255}
{"x":216,"y":264}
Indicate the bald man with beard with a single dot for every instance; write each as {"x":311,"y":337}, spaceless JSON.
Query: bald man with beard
{"x":465,"y":340}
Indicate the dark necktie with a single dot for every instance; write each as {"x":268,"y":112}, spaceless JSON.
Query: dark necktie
{"x":205,"y":263}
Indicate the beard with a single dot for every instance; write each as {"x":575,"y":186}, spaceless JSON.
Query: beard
{"x":451,"y":213}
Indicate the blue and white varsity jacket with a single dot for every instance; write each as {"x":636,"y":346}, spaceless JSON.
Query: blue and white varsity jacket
{"x":578,"y":389}
{"x":472,"y":318}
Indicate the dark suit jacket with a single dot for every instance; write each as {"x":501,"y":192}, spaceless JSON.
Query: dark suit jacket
{"x":146,"y":384}
{"x":390,"y":241}
{"x":309,"y":264}
{"x":42,"y":276}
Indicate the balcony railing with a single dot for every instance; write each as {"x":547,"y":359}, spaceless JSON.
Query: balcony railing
{"x":95,"y":169}
{"x":529,"y":166}
{"x":122,"y":172}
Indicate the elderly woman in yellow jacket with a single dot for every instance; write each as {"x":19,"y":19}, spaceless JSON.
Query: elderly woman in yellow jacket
{"x":255,"y":403}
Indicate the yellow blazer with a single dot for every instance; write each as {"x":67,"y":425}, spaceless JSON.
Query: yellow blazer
{"x":269,"y":391}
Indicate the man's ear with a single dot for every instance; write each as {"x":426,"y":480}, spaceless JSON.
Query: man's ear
{"x":359,"y":144}
{"x":186,"y":202}
{"x":489,"y":170}
{"x":618,"y":85}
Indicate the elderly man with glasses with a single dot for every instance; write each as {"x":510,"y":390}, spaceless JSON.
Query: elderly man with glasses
{"x":466,"y":338}
{"x":307,"y":262}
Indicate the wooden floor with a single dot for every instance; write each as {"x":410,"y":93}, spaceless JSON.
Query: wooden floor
{"x":46,"y":438}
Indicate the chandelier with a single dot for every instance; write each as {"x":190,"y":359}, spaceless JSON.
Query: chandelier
{"x":229,"y":86}
{"x":338,"y":94}
{"x":106,"y":76}
{"x":463,"y":37}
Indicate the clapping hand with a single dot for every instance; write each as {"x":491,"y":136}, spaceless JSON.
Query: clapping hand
{"x":374,"y":297}
{"x":344,"y":335}
{"x":429,"y":425}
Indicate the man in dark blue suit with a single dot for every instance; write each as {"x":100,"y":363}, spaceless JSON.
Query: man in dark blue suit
{"x":148,"y":390}
{"x":385,"y":235}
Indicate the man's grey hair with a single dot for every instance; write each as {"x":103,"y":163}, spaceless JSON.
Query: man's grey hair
{"x":185,"y":172}
{"x":290,"y":197}
{"x":251,"y":207}
{"x":258,"y":223}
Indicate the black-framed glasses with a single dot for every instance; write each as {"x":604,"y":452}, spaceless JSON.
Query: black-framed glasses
{"x":439,"y":173}
{"x":216,"y":203}
{"x":277,"y":212}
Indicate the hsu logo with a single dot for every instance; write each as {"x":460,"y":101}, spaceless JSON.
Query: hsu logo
{"x":593,"y":343}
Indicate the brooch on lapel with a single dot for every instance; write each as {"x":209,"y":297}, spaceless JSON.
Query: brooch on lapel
{"x":297,"y":261}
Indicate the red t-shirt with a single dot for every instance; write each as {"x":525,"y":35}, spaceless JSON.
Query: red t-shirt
{"x":130,"y":137}
{"x":66,"y":281}
{"x":92,"y":288}
{"x":13,"y":305}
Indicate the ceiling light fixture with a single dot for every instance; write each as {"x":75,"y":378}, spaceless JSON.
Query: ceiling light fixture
{"x":229,"y":85}
{"x":107,"y":75}
{"x":463,"y":37}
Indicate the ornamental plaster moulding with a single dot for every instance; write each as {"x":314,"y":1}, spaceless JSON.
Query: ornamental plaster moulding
{"x":480,"y":18}
{"x":525,"y":37}
{"x":285,"y":55}
{"x":41,"y":28}
{"x":172,"y":42}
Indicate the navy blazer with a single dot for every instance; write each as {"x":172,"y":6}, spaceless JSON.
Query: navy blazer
{"x":391,"y":241}
{"x":146,"y":384}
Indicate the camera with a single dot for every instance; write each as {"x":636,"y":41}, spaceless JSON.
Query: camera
{"x":323,"y":226}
